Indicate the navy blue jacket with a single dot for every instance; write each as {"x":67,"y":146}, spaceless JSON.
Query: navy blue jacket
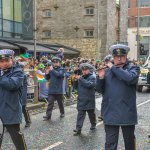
{"x":56,"y":77}
{"x":119,"y":95}
{"x":10,"y":96}
{"x":148,"y":78}
{"x":86,"y":92}
{"x":24,"y":91}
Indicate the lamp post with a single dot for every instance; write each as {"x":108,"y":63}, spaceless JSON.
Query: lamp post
{"x":138,"y":32}
{"x":35,"y":29}
{"x":98,"y":30}
{"x":34,"y":74}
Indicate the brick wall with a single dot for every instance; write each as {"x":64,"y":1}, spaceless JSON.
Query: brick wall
{"x":133,"y":13}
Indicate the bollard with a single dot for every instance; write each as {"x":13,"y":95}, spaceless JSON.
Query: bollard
{"x":69,"y":85}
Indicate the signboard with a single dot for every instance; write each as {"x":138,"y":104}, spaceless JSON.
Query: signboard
{"x":142,"y":31}
{"x":27,"y":19}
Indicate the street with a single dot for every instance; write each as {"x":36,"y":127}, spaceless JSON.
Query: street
{"x":57,"y":134}
{"x":55,"y":52}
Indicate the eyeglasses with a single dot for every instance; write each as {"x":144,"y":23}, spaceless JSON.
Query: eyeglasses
{"x":55,"y":61}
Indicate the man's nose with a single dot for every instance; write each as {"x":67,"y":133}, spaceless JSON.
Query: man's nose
{"x":119,"y":58}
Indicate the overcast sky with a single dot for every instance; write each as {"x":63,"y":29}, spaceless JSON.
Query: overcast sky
{"x":117,"y":1}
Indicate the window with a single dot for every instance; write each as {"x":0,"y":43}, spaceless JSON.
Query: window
{"x":0,"y":24}
{"x":17,"y":10}
{"x":144,"y":21}
{"x":47,"y":13}
{"x":17,"y":36}
{"x":89,"y":11}
{"x":11,"y":18}
{"x":7,"y":26}
{"x":18,"y":27}
{"x":145,"y":41}
{"x":7,"y":34}
{"x":0,"y":12}
{"x":8,"y":9}
{"x":46,"y":34}
{"x":143,"y":3}
{"x":89,"y":33}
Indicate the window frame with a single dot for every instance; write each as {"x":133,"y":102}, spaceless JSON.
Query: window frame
{"x":146,"y":44}
{"x":89,"y":9}
{"x":142,"y":23}
{"x":45,"y":12}
{"x":140,"y":5}
{"x":87,"y":33}
{"x":44,"y":33}
{"x":12,"y":30}
{"x":129,"y":3}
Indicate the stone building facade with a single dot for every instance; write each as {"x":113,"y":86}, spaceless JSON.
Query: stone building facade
{"x":86,"y":25}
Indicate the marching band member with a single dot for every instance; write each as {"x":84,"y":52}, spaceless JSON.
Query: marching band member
{"x":56,"y":75}
{"x":86,"y":98}
{"x":117,"y":84}
{"x":11,"y":81}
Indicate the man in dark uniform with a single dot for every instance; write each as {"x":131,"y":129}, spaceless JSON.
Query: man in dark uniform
{"x":56,"y":75}
{"x":11,"y":81}
{"x":117,"y":84}
{"x":86,"y":97}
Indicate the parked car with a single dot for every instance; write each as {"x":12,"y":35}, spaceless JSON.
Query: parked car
{"x":142,"y":80}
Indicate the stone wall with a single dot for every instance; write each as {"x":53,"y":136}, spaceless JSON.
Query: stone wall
{"x":71,"y":13}
{"x":88,"y":47}
{"x":111,"y":23}
{"x":123,"y":20}
{"x":64,"y":19}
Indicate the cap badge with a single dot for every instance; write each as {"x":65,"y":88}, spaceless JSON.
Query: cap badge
{"x":118,"y":51}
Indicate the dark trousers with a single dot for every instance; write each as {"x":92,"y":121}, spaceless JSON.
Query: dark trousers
{"x":26,"y":114}
{"x":51,"y":99}
{"x":112,"y":135}
{"x":81,"y":117}
{"x":16,"y":136}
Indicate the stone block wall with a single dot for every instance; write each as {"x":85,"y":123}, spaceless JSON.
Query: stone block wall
{"x":64,"y":19}
{"x":67,"y":14}
{"x":123,"y":20}
{"x":88,"y":47}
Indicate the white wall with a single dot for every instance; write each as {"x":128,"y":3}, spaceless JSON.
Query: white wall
{"x":132,"y":32}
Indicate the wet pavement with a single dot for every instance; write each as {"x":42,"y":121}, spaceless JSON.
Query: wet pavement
{"x":57,"y":134}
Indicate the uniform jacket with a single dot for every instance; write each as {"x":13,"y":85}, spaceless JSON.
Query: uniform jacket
{"x":119,"y":95}
{"x":56,"y":77}
{"x":10,"y":96}
{"x":86,"y":92}
{"x":148,"y":78}
{"x":24,"y":91}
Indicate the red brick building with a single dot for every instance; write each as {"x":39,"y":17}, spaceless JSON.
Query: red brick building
{"x":144,"y":11}
{"x":144,"y":25}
